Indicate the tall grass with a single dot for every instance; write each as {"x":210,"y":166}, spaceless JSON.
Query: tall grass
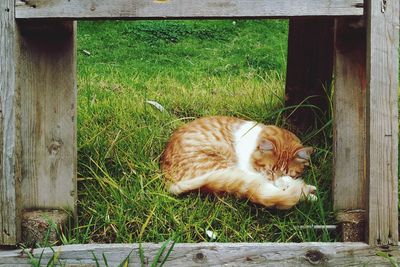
{"x":193,"y":69}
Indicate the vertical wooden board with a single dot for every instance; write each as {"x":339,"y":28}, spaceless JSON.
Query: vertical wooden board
{"x":349,"y":184}
{"x":48,"y":127}
{"x":382,"y":120}
{"x":309,"y":70}
{"x":9,"y":128}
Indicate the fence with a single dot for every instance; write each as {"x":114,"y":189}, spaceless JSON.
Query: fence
{"x":356,"y":40}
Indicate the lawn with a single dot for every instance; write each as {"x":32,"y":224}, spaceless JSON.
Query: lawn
{"x":193,"y":69}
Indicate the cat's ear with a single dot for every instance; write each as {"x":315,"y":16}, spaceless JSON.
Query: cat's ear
{"x":266,"y":146}
{"x":304,"y":153}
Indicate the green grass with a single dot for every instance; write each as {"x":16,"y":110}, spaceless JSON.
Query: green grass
{"x":193,"y":69}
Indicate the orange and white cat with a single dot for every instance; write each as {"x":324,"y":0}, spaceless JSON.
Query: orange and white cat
{"x":248,"y":159}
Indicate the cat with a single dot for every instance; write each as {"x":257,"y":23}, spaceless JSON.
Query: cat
{"x":247,"y":159}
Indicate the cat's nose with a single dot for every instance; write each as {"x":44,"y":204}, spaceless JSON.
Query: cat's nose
{"x":293,"y":174}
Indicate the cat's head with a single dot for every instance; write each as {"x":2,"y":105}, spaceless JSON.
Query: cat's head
{"x":279,"y":152}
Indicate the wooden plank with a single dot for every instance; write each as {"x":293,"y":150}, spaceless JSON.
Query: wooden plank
{"x":309,"y":71}
{"x":382,"y":120}
{"x":48,"y":114}
{"x":349,"y":186}
{"x":349,"y":183}
{"x":77,"y":9}
{"x":9,"y":128}
{"x":213,"y":254}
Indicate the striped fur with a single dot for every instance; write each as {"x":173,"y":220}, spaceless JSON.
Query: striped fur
{"x":243,"y":158}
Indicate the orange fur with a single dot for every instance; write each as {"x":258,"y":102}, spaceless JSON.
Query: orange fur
{"x":201,"y":155}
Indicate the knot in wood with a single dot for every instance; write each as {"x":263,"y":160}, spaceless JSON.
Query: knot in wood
{"x":385,"y":247}
{"x":54,"y":147}
{"x":256,"y":259}
{"x":383,"y":6}
{"x":199,"y":257}
{"x":315,"y":257}
{"x":5,"y":232}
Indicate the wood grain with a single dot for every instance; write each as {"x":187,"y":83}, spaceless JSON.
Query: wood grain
{"x":349,"y":184}
{"x":382,"y":120}
{"x":9,"y":127}
{"x":48,"y":114}
{"x":185,"y":8}
{"x":213,"y":254}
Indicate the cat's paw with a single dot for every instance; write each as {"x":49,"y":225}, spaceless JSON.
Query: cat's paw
{"x":312,"y":198}
{"x":310,"y":193}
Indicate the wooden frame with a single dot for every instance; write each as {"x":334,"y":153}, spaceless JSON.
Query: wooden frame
{"x":143,"y":9}
{"x":212,"y":254}
{"x":350,"y":185}
{"x":38,"y":125}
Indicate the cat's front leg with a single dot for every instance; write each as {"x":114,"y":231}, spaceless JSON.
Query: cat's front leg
{"x":309,"y":191}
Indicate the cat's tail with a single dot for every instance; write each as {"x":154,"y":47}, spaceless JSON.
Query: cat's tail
{"x":252,"y":186}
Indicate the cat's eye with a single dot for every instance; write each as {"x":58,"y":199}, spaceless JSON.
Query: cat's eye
{"x":304,"y":161}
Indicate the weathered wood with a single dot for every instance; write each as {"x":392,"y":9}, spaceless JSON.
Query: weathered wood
{"x":349,"y":185}
{"x":9,"y":127}
{"x":47,"y":79}
{"x":214,"y":254}
{"x":382,"y":120}
{"x":76,"y":9}
{"x":349,"y":108}
{"x":309,"y":70}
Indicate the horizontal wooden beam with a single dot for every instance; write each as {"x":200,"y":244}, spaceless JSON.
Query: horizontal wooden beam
{"x":211,"y":254}
{"x":139,"y":9}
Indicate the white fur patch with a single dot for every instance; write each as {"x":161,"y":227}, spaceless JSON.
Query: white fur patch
{"x":283,"y":182}
{"x":246,"y":138}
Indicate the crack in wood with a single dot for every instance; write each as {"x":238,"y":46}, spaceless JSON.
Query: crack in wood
{"x":359,"y":5}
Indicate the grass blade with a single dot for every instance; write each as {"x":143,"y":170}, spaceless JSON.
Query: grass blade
{"x":96,"y":260}
{"x":146,"y":223}
{"x":105,"y":259}
{"x":125,"y":262}
{"x":168,"y":253}
{"x":159,"y":253}
{"x":141,"y":254}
